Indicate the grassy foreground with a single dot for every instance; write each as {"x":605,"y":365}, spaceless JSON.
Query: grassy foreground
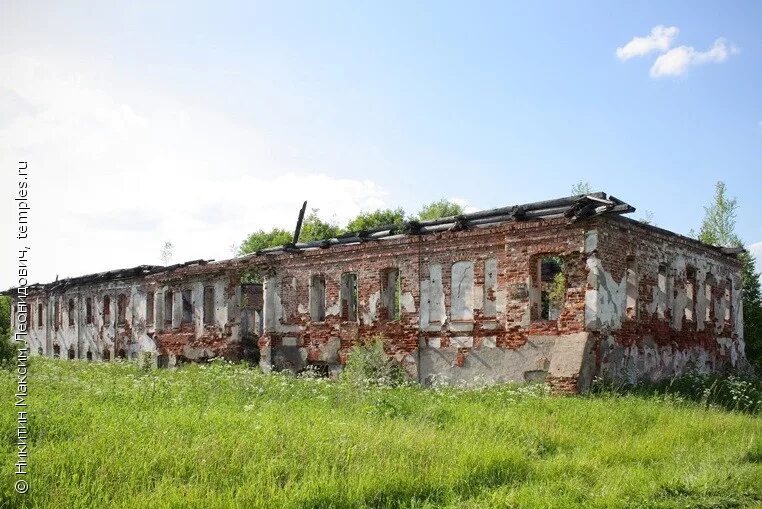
{"x":111,"y":435}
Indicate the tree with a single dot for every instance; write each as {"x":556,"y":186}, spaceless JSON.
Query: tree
{"x":5,"y":316}
{"x":581,"y":187}
{"x":261,"y":239}
{"x":166,"y":252}
{"x":718,"y":229}
{"x":438,"y":209}
{"x":314,"y":228}
{"x":752,"y":310}
{"x":380,"y":217}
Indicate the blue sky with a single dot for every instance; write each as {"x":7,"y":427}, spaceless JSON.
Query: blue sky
{"x":198,"y":123}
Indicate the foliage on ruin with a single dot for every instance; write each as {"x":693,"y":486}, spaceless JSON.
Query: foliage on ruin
{"x":557,"y":292}
{"x":167,"y":252}
{"x":439,"y":209}
{"x":376,"y":218}
{"x":581,"y":187}
{"x":262,"y":239}
{"x":315,"y":228}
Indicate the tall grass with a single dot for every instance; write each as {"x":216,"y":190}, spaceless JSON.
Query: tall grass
{"x":742,"y":394}
{"x":220,"y":435}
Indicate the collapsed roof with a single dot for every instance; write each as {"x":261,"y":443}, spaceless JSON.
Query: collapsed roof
{"x":107,"y":276}
{"x":574,"y":208}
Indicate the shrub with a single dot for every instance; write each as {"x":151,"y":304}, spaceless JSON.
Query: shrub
{"x":146,"y":361}
{"x":7,"y":351}
{"x":367,"y":363}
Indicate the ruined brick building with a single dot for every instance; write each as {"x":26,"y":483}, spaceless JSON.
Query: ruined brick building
{"x":560,"y":291}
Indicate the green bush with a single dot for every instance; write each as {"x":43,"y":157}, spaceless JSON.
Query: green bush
{"x":367,"y":363}
{"x":7,"y":351}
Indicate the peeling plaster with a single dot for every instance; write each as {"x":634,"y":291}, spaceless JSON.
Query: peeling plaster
{"x":481,"y":300}
{"x":407,"y":302}
{"x":605,"y":303}
{"x":333,"y":310}
{"x":369,"y":313}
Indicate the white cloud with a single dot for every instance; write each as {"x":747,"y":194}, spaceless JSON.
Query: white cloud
{"x":114,"y":174}
{"x":660,"y":39}
{"x":677,"y":60}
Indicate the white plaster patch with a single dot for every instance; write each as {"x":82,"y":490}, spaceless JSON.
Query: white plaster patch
{"x":437,"y":312}
{"x":461,"y":326}
{"x":425,"y":302}
{"x":489,"y":325}
{"x":500,"y":302}
{"x":407,"y":302}
{"x":333,"y":310}
{"x":478,"y":296}
{"x":610,"y":298}
{"x":490,"y":287}
{"x":591,"y":309}
{"x":591,"y":241}
{"x":463,"y":342}
{"x":329,"y":351}
{"x":462,"y":291}
{"x":273,"y":305}
{"x":369,"y":315}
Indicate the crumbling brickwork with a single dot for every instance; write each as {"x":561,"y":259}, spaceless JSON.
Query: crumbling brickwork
{"x":691,"y":320}
{"x":558,"y":291}
{"x":123,"y":314}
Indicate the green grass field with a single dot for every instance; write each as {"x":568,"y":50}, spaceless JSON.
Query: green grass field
{"x":111,"y":435}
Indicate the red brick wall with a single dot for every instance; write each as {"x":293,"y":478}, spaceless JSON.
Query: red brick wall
{"x":516,"y":246}
{"x":671,"y":349}
{"x":626,"y":348}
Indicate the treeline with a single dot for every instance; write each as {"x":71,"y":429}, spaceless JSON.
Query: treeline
{"x":315,"y":228}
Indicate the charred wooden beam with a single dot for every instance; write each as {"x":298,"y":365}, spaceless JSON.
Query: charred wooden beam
{"x":298,"y":229}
